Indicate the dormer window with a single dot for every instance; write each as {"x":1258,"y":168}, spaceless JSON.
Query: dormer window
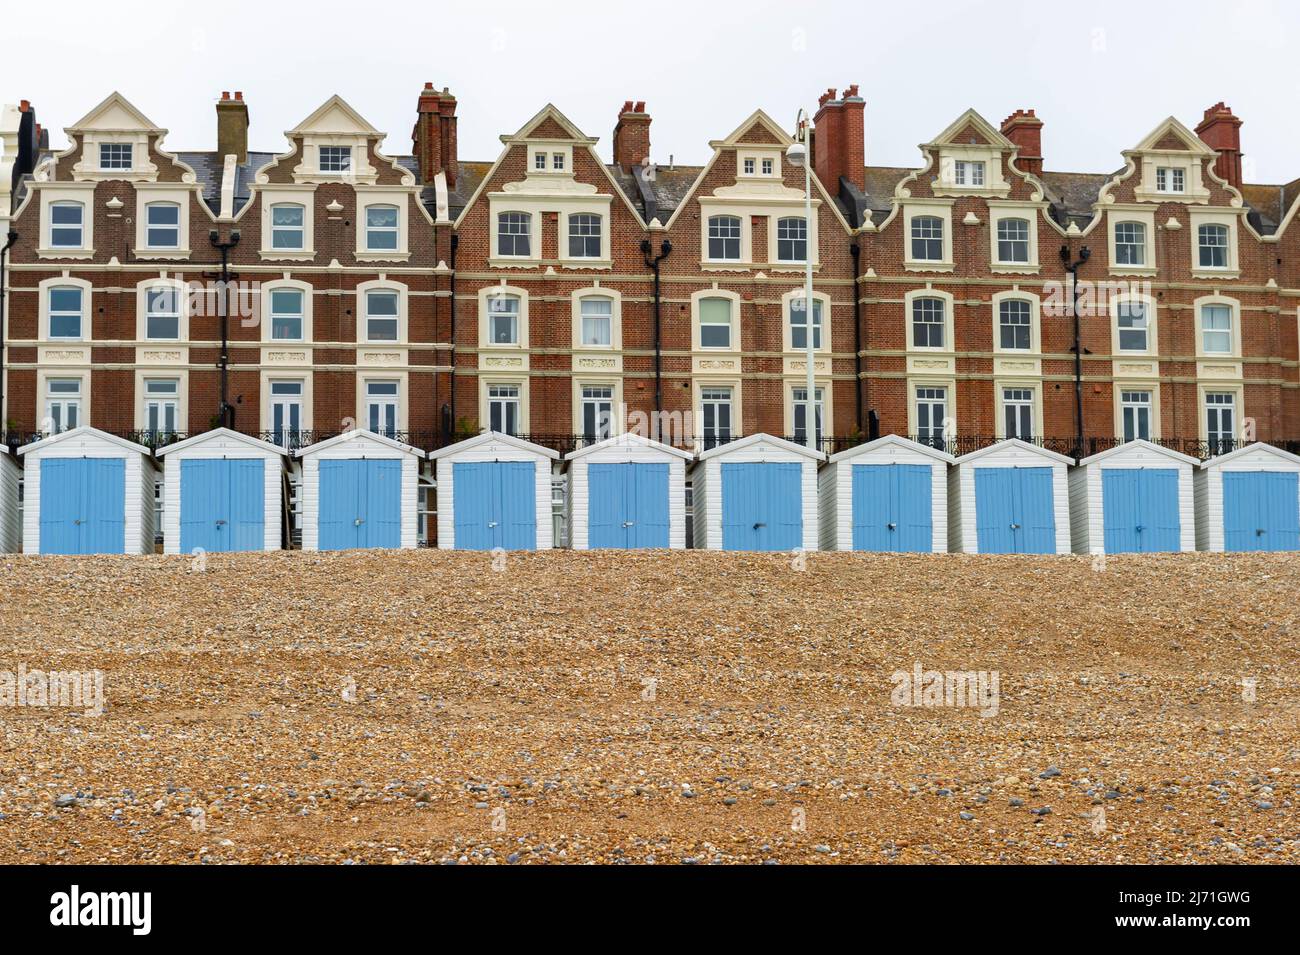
{"x":335,"y":158}
{"x":557,"y":162}
{"x":114,"y":155}
{"x":968,"y":173}
{"x":1170,"y":179}
{"x":724,"y":238}
{"x":767,"y":167}
{"x":514,"y":230}
{"x":539,"y":162}
{"x":749,"y":166}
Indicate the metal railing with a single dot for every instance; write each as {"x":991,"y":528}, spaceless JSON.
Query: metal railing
{"x":566,"y":443}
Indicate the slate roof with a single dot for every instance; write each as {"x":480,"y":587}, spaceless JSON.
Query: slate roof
{"x":1072,"y":194}
{"x":207,"y":168}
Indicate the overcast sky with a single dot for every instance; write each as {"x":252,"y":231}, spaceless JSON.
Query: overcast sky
{"x":1101,"y":75}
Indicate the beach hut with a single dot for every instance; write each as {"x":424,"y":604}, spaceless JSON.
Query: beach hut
{"x":222,"y":491}
{"x":627,"y":492}
{"x":87,"y":492}
{"x":890,"y":494}
{"x":1009,"y":498}
{"x":11,"y":531}
{"x":1133,"y":498}
{"x":359,"y":489}
{"x":756,"y":493}
{"x":494,"y":490}
{"x":1248,"y":499}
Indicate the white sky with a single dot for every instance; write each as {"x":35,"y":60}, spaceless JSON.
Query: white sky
{"x":1101,"y":74}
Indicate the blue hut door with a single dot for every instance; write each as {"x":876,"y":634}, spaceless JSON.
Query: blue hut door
{"x":1261,"y":510}
{"x":1140,"y":510}
{"x":892,"y":507}
{"x":762,"y":506}
{"x":83,"y":506}
{"x":627,"y":505}
{"x":223,"y":504}
{"x":495,"y":504}
{"x":360,"y":504}
{"x":1014,"y":511}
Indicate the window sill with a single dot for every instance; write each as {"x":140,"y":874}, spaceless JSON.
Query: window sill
{"x":725,"y":265}
{"x":283,"y":255}
{"x":1216,"y":273}
{"x":395,"y":256}
{"x":155,"y":254}
{"x":1015,"y":268}
{"x":65,"y":253}
{"x":912,"y":266}
{"x":586,"y":263}
{"x":509,"y":262}
{"x":1133,"y":270}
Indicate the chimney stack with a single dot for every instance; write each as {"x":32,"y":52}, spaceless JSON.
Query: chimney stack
{"x":1026,"y":130}
{"x":839,"y":139}
{"x":632,"y":136}
{"x":232,"y":126}
{"x":434,"y":137}
{"x":1221,"y":130}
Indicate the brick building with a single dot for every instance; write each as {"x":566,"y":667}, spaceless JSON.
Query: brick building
{"x":574,"y":295}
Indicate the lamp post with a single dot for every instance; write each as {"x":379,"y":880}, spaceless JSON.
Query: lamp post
{"x":798,"y":155}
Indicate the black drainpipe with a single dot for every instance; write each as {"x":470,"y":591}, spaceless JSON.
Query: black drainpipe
{"x":225,"y":410}
{"x":4,"y":289}
{"x":665,"y":249}
{"x":451,"y":429}
{"x":855,"y":250}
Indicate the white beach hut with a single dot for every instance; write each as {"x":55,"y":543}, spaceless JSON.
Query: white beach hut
{"x":890,"y":494}
{"x":494,"y":490}
{"x":87,"y":492}
{"x":627,"y":492}
{"x":360,"y":489}
{"x":1009,"y":498}
{"x":756,"y":493}
{"x":222,"y":491}
{"x":1248,"y":499}
{"x":1133,"y":498}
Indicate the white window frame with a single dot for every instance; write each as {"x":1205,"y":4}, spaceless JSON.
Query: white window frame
{"x":582,"y":400}
{"x":824,"y":327}
{"x":384,"y":400}
{"x":738,"y":238}
{"x":1228,"y":220}
{"x":781,"y":222}
{"x":1124,"y":405}
{"x":1204,"y":391}
{"x":1234,"y":325}
{"x":1153,"y":325}
{"x":915,"y":401}
{"x":362,"y":312}
{"x":697,"y":299}
{"x":485,"y":296}
{"x":1034,"y":327}
{"x":519,"y":400}
{"x":822,"y":404}
{"x":579,"y":296}
{"x":116,"y":149}
{"x":335,"y":151}
{"x":287,"y":402}
{"x":941,"y":208}
{"x":909,"y":300}
{"x":180,"y":290}
{"x":79,"y":401}
{"x":1034,"y":404}
{"x":160,"y":402}
{"x":1171,"y":180}
{"x":87,"y":309}
{"x":705,"y":391}
{"x":268,"y":312}
{"x":1002,"y":211}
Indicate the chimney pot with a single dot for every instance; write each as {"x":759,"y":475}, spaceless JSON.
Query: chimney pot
{"x":434,"y":136}
{"x":632,"y":135}
{"x":839,"y":145}
{"x":1221,"y":131}
{"x":232,"y":127}
{"x":24,"y":105}
{"x":1025,"y":129}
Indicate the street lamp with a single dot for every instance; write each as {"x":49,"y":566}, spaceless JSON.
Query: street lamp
{"x":797,"y":155}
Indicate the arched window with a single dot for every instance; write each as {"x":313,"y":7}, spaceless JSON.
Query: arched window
{"x":928,"y":323}
{"x":584,"y":236}
{"x":287,"y":226}
{"x":1013,"y":240}
{"x":514,"y":234}
{"x":1130,"y":243}
{"x":162,"y":225}
{"x":1015,"y":328}
{"x":724,"y":238}
{"x":792,"y":239}
{"x":927,"y":239}
{"x":381,"y":228}
{"x":67,"y":225}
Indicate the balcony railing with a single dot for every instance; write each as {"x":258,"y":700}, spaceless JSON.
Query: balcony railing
{"x":566,"y":443}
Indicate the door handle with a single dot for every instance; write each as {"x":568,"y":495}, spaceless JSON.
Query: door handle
{"x":758,"y":525}
{"x":358,"y":522}
{"x":628,"y":523}
{"x":891,"y":525}
{"x":1015,"y":527}
{"x":492,"y":523}
{"x":1139,"y":528}
{"x":1259,"y":532}
{"x":219,"y":523}
{"x":76,"y":520}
